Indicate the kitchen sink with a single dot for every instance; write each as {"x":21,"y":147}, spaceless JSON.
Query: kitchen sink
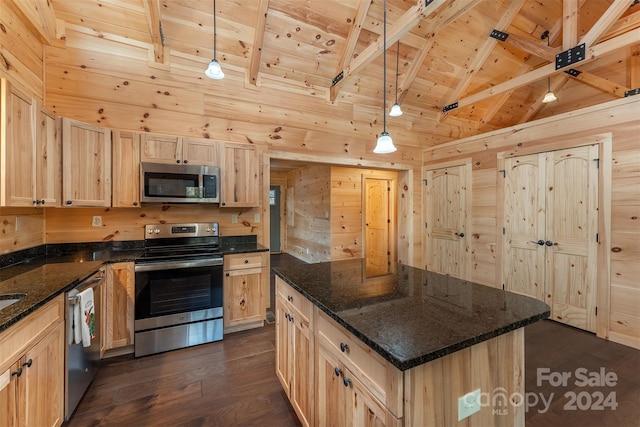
{"x":7,"y":299}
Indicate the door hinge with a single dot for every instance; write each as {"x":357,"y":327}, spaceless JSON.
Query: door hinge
{"x":425,"y":181}
{"x":597,"y":237}
{"x":504,"y":231}
{"x":425,"y":225}
{"x":388,"y":221}
{"x":596,"y":310}
{"x":503,"y":286}
{"x":597,"y":163}
{"x":504,"y":173}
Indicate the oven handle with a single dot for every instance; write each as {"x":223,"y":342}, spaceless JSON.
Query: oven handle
{"x":173,"y":265}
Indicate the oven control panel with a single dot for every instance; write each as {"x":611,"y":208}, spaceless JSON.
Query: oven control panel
{"x":196,"y":229}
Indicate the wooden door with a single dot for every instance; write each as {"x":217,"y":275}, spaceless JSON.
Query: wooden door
{"x":571,"y":228}
{"x":523,"y":257}
{"x":18,"y":148}
{"x":302,"y":367}
{"x":120,"y":310}
{"x":283,"y":343}
{"x":126,"y":169}
{"x":86,"y":164}
{"x":447,"y":205}
{"x":242,"y":296}
{"x":200,"y":152}
{"x":48,"y":159}
{"x":42,"y":382}
{"x":240,"y":176}
{"x":377,"y":227}
{"x":161,"y":149}
{"x":330,"y":390}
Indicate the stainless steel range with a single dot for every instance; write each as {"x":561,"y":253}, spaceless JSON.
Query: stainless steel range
{"x":178,"y":285}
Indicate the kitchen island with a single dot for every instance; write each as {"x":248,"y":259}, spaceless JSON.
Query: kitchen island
{"x":399,"y":349}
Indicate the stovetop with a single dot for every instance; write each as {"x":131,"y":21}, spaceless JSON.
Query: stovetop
{"x":181,"y":241}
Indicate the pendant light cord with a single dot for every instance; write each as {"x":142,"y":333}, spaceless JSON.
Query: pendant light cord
{"x":397,"y":62}
{"x":384,"y":58}
{"x":214,"y":29}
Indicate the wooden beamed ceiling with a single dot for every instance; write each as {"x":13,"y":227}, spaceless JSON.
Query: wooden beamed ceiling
{"x":333,"y":49}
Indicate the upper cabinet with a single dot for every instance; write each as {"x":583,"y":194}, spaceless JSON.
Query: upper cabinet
{"x":240,"y":178}
{"x":29,"y":150}
{"x":178,"y":150}
{"x":126,"y":169}
{"x":86,"y":164}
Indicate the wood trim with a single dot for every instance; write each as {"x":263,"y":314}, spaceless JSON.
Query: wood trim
{"x":603,"y":278}
{"x":258,"y":40}
{"x":154,"y":20}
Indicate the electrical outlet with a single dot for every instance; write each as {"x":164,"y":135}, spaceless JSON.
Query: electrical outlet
{"x":256,"y":218}
{"x":96,"y":221}
{"x":18,"y":223}
{"x":234,"y":219}
{"x":468,"y":404}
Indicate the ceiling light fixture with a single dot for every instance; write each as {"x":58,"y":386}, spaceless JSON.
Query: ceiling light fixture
{"x":549,"y":96}
{"x":214,"y":71}
{"x":384,"y":144}
{"x":396,"y":111}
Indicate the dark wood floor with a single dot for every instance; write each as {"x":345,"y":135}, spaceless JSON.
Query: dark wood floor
{"x":233,"y":383}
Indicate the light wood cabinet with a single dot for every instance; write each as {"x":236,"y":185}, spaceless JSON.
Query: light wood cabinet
{"x":295,"y":349}
{"x":119,"y":312}
{"x":32,"y":369}
{"x":178,"y":150}
{"x":126,"y":169}
{"x":240,"y":181}
{"x":29,"y":150}
{"x":245,"y":277}
{"x":86,"y":164}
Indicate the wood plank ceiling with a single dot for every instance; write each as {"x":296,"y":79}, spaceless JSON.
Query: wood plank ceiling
{"x":445,"y":53}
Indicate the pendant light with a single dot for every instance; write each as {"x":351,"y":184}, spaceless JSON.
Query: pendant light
{"x":549,"y":96}
{"x":384,"y":144}
{"x":396,"y":111}
{"x":214,"y":71}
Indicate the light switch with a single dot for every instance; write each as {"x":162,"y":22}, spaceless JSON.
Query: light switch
{"x":234,"y":219}
{"x":256,"y":218}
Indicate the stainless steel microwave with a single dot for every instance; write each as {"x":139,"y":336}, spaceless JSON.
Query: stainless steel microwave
{"x":165,"y":183}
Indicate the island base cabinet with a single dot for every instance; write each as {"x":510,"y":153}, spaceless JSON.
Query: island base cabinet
{"x":495,"y":366}
{"x":32,"y":369}
{"x":295,"y":350}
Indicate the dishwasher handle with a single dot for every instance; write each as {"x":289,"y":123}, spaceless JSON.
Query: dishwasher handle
{"x":91,"y":282}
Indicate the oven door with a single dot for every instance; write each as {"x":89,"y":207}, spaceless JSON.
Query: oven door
{"x":177,"y":292}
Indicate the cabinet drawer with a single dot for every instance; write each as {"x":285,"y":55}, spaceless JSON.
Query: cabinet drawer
{"x":15,"y":340}
{"x":233,"y":262}
{"x":381,"y":378}
{"x":294,"y":298}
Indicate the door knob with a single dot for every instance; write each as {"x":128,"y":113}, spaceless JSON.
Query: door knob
{"x":548,"y":243}
{"x":459,"y":234}
{"x":539,"y":242}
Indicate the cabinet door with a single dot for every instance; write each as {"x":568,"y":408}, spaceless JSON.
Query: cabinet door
{"x":240,"y":176}
{"x":126,"y":169}
{"x":41,"y":384}
{"x":301,"y":393}
{"x":200,"y":152}
{"x":17,"y":139}
{"x":48,"y":163}
{"x":330,"y":390}
{"x":161,"y":149}
{"x":119,"y":320}
{"x":363,"y":409}
{"x":9,"y":396}
{"x":86,"y":164}
{"x":242,"y":296}
{"x":283,"y":344}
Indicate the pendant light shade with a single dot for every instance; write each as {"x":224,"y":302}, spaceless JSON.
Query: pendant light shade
{"x":384,"y":144}
{"x":214,"y":71}
{"x":396,"y":111}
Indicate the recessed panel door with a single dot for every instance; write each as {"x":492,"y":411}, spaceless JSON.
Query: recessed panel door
{"x":377,"y":223}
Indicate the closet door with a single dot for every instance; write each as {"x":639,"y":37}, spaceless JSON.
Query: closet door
{"x":447,"y":206}
{"x":523,"y":268}
{"x":571,"y":229}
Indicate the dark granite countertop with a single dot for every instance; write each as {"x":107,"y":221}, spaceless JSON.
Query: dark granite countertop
{"x":242,"y":248}
{"x":413,"y":316}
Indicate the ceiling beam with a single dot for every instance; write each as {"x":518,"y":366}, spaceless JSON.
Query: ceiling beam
{"x":154,"y":20}
{"x":403,"y":25}
{"x":41,"y":16}
{"x":592,"y":53}
{"x":608,"y":18}
{"x":634,"y":66}
{"x":258,"y":41}
{"x":570,"y":14}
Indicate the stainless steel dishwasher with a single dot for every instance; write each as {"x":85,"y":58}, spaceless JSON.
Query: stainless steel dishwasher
{"x":81,"y":363}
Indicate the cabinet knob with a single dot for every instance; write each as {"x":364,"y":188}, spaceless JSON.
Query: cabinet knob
{"x":290,"y":318}
{"x":185,"y":161}
{"x":337,"y":371}
{"x":42,"y":202}
{"x":28,"y":363}
{"x":344,"y":347}
{"x":227,"y":274}
{"x":346,"y":381}
{"x":177,"y":161}
{"x":548,"y":243}
{"x":17,"y":373}
{"x":135,"y":203}
{"x":68,"y":202}
{"x":36,"y":202}
{"x":289,"y":298}
{"x":246,"y":261}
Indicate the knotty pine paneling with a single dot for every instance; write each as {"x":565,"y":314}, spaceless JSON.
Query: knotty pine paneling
{"x":31,"y":233}
{"x":74,"y":224}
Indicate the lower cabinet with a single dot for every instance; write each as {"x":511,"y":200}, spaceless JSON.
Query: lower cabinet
{"x":295,"y":349}
{"x":32,"y":369}
{"x":245,"y":280}
{"x":119,"y":311}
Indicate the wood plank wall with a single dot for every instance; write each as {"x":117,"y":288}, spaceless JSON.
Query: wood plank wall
{"x":21,"y":228}
{"x":619,"y":319}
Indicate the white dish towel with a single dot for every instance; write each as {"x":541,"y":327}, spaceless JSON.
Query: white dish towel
{"x":85,"y":316}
